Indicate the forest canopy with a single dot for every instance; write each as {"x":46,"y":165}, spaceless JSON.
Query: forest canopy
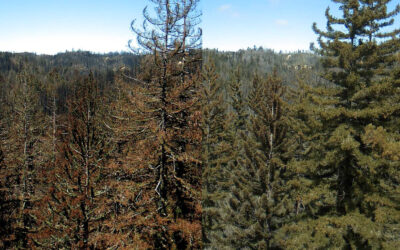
{"x":174,"y":146}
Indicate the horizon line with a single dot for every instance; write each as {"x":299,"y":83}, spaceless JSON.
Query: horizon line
{"x":130,"y":52}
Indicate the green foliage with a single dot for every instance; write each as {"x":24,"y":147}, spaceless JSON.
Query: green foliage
{"x":216,"y":153}
{"x":257,"y":203}
{"x":264,"y":61}
{"x":345,"y":185}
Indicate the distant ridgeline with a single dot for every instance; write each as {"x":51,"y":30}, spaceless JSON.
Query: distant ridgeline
{"x":239,"y":66}
{"x":230,"y":66}
{"x":81,"y":61}
{"x":248,"y":61}
{"x":264,"y":61}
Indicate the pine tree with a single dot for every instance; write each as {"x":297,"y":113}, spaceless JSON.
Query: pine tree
{"x":5,"y":201}
{"x":237,"y":115}
{"x":238,"y":100}
{"x":168,"y":110}
{"x":22,"y":144}
{"x":257,"y":207}
{"x":74,"y":212}
{"x":129,"y":198}
{"x":348,"y":188}
{"x":54,"y":81}
{"x":217,"y":153}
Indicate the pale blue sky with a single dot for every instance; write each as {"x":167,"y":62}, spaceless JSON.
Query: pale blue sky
{"x":51,"y":26}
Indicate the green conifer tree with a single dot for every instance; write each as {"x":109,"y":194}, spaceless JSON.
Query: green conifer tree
{"x":348,"y":194}
{"x":235,"y":125}
{"x":257,"y":204}
{"x":217,"y":153}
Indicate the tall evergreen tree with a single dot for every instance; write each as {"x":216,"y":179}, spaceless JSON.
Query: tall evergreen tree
{"x":256,"y":206}
{"x":237,"y":101}
{"x":217,"y":154}
{"x":235,"y":127}
{"x":169,"y":109}
{"x":349,"y":181}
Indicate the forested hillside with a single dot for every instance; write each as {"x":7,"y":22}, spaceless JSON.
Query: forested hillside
{"x":248,"y":61}
{"x":180,"y":147}
{"x":263,"y":61}
{"x":106,"y":67}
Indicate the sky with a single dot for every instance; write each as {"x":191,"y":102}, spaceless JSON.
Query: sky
{"x":53,"y":26}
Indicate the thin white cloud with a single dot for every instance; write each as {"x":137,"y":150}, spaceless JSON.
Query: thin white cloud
{"x":273,"y":1}
{"x":282,"y":22}
{"x":224,"y":7}
{"x":229,"y":10}
{"x":235,"y":14}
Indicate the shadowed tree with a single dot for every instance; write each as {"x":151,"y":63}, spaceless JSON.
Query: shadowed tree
{"x":75,"y":209}
{"x":217,"y":154}
{"x":258,"y":203}
{"x":22,"y":146}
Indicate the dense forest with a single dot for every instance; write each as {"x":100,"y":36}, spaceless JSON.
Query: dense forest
{"x":179,"y":147}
